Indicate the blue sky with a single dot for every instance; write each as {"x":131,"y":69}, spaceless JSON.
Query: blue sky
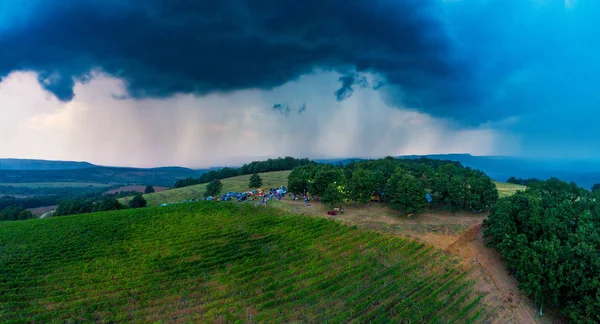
{"x":415,"y":76}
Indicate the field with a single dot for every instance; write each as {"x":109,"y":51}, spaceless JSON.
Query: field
{"x":217,"y":262}
{"x":239,"y":183}
{"x":508,"y":189}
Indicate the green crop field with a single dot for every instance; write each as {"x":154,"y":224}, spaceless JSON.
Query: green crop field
{"x":215,"y":262}
{"x":239,"y":183}
{"x":508,"y":189}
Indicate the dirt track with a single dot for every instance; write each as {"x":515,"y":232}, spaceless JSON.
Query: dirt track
{"x":492,"y":278}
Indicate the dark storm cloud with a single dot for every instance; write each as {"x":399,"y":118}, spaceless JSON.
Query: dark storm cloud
{"x":162,"y":47}
{"x":302,"y":109}
{"x":285,"y":109}
{"x":348,"y":83}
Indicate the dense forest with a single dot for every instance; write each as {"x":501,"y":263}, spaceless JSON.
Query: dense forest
{"x":46,"y":196}
{"x":95,"y":203}
{"x":549,"y":237}
{"x":403,"y":183}
{"x":13,"y":213}
{"x":279,"y":164}
{"x":68,"y":204}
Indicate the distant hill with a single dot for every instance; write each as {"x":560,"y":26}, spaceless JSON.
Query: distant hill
{"x":28,"y":171}
{"x":27,"y":164}
{"x":110,"y":175}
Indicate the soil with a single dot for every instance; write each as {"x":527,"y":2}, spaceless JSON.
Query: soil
{"x":42,"y":210}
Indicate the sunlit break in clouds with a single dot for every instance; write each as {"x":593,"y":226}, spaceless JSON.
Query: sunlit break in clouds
{"x":206,"y":83}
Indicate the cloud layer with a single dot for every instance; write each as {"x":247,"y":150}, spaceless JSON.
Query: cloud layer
{"x":219,"y":129}
{"x":309,"y":71}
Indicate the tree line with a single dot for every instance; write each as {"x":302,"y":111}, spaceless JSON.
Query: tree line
{"x":50,"y":196}
{"x":13,"y":213}
{"x":104,"y":202}
{"x":523,"y":182}
{"x":270,"y":165}
{"x":403,"y":183}
{"x":549,"y":237}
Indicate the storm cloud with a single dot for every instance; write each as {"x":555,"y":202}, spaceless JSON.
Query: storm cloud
{"x":333,"y":76}
{"x":163,"y":47}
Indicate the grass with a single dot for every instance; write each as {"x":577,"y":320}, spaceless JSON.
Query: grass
{"x":237,"y":184}
{"x":508,"y":189}
{"x":217,"y":262}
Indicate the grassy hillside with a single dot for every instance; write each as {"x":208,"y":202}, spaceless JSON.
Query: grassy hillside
{"x":508,"y":189}
{"x":214,"y":262}
{"x":270,"y":179}
{"x":239,"y":183}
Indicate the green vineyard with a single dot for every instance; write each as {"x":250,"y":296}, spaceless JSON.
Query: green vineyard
{"x":223,"y":263}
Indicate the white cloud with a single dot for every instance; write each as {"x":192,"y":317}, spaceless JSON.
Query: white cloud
{"x":220,"y":129}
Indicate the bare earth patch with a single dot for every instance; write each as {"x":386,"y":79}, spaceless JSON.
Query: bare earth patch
{"x":42,"y":210}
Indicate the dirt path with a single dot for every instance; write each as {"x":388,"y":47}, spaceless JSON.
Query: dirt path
{"x":492,"y":278}
{"x":458,"y":234}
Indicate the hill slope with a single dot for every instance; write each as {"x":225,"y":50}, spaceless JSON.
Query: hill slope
{"x":27,"y":164}
{"x":116,"y":175}
{"x":209,"y":262}
{"x":270,"y":179}
{"x":238,"y":184}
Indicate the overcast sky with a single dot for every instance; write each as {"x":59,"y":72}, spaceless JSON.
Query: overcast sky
{"x":224,"y":82}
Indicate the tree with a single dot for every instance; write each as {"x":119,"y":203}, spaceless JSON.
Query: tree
{"x":456,"y":193}
{"x":138,"y":201}
{"x":300,"y":178}
{"x":361,"y":186}
{"x":332,"y":196}
{"x":213,"y":188}
{"x":482,"y":192}
{"x":149,"y":189}
{"x":596,"y":187}
{"x":379,"y":182}
{"x":325,"y":176}
{"x":548,"y":236}
{"x":426,"y":175}
{"x":108,"y":204}
{"x":449,"y":187}
{"x":255,"y":181}
{"x":13,"y":213}
{"x":406,"y":193}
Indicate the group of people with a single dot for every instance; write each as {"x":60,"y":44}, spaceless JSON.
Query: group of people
{"x":305,"y":197}
{"x":268,"y":196}
{"x":264,"y":200}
